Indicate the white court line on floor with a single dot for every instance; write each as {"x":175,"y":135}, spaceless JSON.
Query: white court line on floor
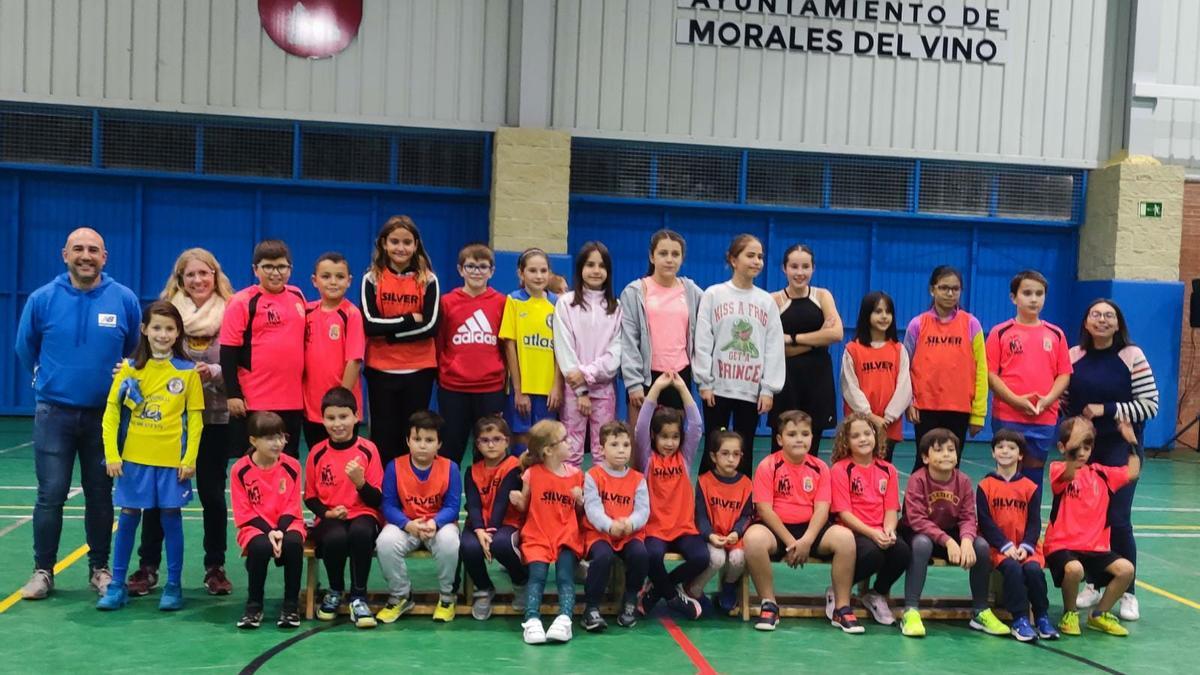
{"x":21,"y":520}
{"x":16,"y":447}
{"x":1164,"y":535}
{"x":5,"y":516}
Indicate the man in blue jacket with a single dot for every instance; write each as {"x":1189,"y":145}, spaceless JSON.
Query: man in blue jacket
{"x":72,"y":331}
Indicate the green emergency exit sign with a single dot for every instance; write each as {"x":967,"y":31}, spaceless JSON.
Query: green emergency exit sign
{"x":1150,"y":209}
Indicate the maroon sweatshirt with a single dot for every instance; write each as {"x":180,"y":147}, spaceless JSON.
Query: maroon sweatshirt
{"x":937,"y":510}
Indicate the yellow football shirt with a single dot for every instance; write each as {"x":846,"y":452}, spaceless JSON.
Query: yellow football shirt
{"x":163,"y":429}
{"x":529,"y":322}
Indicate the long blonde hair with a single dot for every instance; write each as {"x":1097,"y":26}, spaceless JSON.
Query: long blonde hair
{"x":221,"y":285}
{"x":542,"y":437}
{"x":841,"y":441}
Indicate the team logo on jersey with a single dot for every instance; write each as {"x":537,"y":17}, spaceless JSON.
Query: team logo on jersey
{"x":273,"y":317}
{"x":1014,"y":345}
{"x":175,"y":385}
{"x":327,"y":476}
{"x":254,"y":494}
{"x":808,"y":484}
{"x":476,"y":330}
{"x":783,"y":486}
{"x":1047,"y":345}
{"x":856,"y":486}
{"x":282,"y":485}
{"x":883,"y":485}
{"x":151,"y":412}
{"x":335,"y":332}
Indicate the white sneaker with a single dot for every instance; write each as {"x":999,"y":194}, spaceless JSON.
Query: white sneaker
{"x":1088,"y":597}
{"x":560,"y":630}
{"x":877,"y":605}
{"x":100,"y":580}
{"x":829,"y":602}
{"x":38,"y":586}
{"x":1129,"y":607}
{"x":534,"y":633}
{"x":518,"y":603}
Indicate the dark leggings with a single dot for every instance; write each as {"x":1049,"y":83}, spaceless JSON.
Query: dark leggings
{"x":212,"y":470}
{"x":670,"y":396}
{"x":694,"y":550}
{"x":956,"y":422}
{"x":393,"y":398}
{"x":258,"y":554}
{"x":745,"y":423}
{"x":564,"y":574}
{"x":601,"y":555}
{"x":338,"y":539}
{"x":462,"y":410}
{"x":1024,"y":586}
{"x":887,"y":564}
{"x":923,"y":549}
{"x":503,"y":550}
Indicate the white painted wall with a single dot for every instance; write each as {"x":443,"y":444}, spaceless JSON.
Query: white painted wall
{"x":1166,"y":83}
{"x":436,"y":63}
{"x":1060,"y":97}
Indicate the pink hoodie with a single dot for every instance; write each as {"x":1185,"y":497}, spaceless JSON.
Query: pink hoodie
{"x":587,"y":339}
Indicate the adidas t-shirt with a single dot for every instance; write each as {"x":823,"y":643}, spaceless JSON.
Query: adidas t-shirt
{"x":470,"y":357}
{"x":529,"y":322}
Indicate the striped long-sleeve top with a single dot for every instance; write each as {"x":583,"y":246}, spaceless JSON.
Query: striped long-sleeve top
{"x":1122,"y":382}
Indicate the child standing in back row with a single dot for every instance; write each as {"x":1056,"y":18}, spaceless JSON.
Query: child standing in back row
{"x":1008,"y":505}
{"x":875,"y":369}
{"x":1029,"y":367}
{"x":528,"y":333}
{"x":587,"y":347}
{"x":152,"y":426}
{"x":334,"y":344}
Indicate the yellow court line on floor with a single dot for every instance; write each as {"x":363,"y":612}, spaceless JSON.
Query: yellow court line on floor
{"x":1167,"y":594}
{"x":61,"y":565}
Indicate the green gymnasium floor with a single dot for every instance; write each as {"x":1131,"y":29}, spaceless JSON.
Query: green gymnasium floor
{"x":66,"y":634}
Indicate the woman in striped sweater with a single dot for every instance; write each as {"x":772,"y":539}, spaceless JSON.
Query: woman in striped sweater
{"x":1112,"y":381}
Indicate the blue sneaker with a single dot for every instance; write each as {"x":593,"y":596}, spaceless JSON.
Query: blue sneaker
{"x":172,"y":598}
{"x":115,"y":597}
{"x":708,"y":608}
{"x":1022,"y":630}
{"x":1046,"y":629}
{"x":727,"y":597}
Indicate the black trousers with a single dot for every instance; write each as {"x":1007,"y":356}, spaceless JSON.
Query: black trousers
{"x":212,"y":472}
{"x":462,"y":410}
{"x":956,"y":422}
{"x":338,"y":539}
{"x":887,"y":564}
{"x":601,"y":554}
{"x":293,"y":422}
{"x":745,"y":423}
{"x":258,"y":554}
{"x":393,"y":398}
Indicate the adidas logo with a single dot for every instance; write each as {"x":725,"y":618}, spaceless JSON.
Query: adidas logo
{"x":476,"y":330}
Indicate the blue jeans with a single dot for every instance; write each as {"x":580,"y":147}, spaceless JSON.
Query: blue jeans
{"x":59,"y":435}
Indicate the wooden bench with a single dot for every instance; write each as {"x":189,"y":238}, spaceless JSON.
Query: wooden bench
{"x":954,"y":608}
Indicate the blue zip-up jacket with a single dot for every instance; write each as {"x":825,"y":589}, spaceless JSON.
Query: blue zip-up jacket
{"x":69,"y":339}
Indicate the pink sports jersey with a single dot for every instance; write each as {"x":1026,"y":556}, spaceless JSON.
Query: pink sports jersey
{"x":265,"y":495}
{"x":331,"y":340}
{"x":792,"y":490}
{"x":1027,"y":358}
{"x":868,"y":492}
{"x":270,"y":328}
{"x":325,"y":476}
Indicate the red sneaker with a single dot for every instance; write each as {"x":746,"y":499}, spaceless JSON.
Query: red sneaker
{"x":141,"y":582}
{"x":215,"y":581}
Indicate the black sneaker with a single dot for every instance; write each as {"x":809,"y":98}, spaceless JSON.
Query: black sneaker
{"x":768,"y":616}
{"x":592,"y":621}
{"x":251,"y":618}
{"x":628,"y":616}
{"x":289,"y":617}
{"x":330,"y":604}
{"x":685,"y":604}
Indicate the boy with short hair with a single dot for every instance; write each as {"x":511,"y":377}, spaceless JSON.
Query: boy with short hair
{"x":422,"y":492}
{"x":1008,"y":505}
{"x":342,"y":480}
{"x":1078,"y":538}
{"x":939,"y":517}
{"x":470,"y":357}
{"x":334,"y":343}
{"x":1029,"y":367}
{"x":792,"y":495}
{"x":262,"y":348}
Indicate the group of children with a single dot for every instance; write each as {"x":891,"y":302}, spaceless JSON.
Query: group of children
{"x":509,"y":364}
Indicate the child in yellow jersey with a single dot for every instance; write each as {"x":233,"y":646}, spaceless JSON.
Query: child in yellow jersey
{"x":152,"y":426}
{"x":527,"y":329}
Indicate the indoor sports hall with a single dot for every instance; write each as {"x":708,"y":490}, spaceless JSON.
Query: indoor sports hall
{"x":879,"y":143}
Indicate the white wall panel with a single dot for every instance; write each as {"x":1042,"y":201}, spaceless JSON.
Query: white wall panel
{"x":1176,"y":114}
{"x":1058,"y":96}
{"x":434,"y":63}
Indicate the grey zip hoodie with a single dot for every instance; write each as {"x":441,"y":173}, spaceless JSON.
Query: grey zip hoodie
{"x":635,"y":332}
